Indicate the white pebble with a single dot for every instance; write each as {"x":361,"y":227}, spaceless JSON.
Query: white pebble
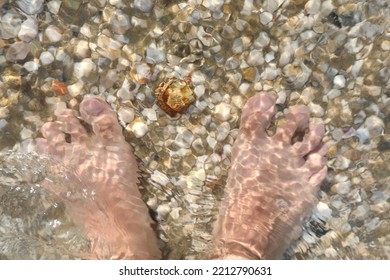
{"x":54,"y":6}
{"x":163,"y":210}
{"x":154,"y":54}
{"x":28,"y":30}
{"x":31,"y":66}
{"x":339,"y":81}
{"x":150,"y":114}
{"x":255,"y":58}
{"x":385,"y":45}
{"x":323,"y":212}
{"x":3,"y":123}
{"x":46,"y":58}
{"x":53,"y":34}
{"x":265,"y":18}
{"x":139,"y":129}
{"x":26,"y":133}
{"x":30,"y":6}
{"x":222,"y":111}
{"x":144,"y":5}
{"x":199,"y":90}
{"x":82,"y":49}
{"x":126,"y":115}
{"x":84,"y":68}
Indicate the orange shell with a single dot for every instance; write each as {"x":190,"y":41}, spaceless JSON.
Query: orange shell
{"x":174,"y":96}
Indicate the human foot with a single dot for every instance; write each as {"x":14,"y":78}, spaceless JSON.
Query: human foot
{"x":117,"y":221}
{"x":272,"y":183}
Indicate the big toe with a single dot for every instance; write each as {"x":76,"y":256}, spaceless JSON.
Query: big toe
{"x":258,"y":112}
{"x":102,"y":118}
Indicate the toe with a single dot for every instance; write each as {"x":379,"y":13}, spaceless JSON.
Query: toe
{"x":316,"y":179}
{"x":297,"y":120}
{"x":71,"y":125}
{"x":102,"y":118}
{"x":311,"y":141}
{"x":258,"y":112}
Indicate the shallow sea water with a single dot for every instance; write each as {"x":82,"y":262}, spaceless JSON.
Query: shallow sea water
{"x":330,"y":55}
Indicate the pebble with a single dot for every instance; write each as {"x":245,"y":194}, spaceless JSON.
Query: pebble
{"x":46,"y":58}
{"x":139,"y":129}
{"x":144,"y":5}
{"x":163,"y":210}
{"x":28,"y":30}
{"x":82,"y":50}
{"x":17,"y":51}
{"x":84,"y":68}
{"x":222,"y":111}
{"x":154,"y":54}
{"x":53,"y":34}
{"x":339,"y":81}
{"x":54,"y":6}
{"x":150,"y":114}
{"x":126,"y":115}
{"x":31,"y":66}
{"x":255,"y":58}
{"x":265,"y":18}
{"x":30,"y":6}
{"x":109,"y":47}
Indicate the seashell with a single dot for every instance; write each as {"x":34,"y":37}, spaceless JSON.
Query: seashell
{"x":174,"y":96}
{"x":30,"y":7}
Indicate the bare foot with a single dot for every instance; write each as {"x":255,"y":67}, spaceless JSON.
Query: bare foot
{"x":272,"y":183}
{"x":117,"y":222}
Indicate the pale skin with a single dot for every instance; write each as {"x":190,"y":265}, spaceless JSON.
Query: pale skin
{"x":271,"y":186}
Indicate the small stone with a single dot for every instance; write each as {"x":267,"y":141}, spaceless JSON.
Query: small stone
{"x":53,"y":34}
{"x":223,"y":131}
{"x":126,"y":115}
{"x":28,"y":30}
{"x":84,"y":69}
{"x":184,"y":138}
{"x":141,"y":73}
{"x":385,"y":45}
{"x":17,"y":51}
{"x":175,"y":213}
{"x":30,"y":6}
{"x":31,"y":66}
{"x":109,"y":47}
{"x":323,"y":212}
{"x":120,"y":22}
{"x":163,"y":210}
{"x":82,"y":50}
{"x":46,"y":58}
{"x":150,"y":114}
{"x":144,"y":5}
{"x":265,"y":18}
{"x":139,"y":129}
{"x":222,"y":111}
{"x":54,"y":6}
{"x":250,"y":74}
{"x":255,"y":58}
{"x":154,"y":54}
{"x":339,"y":81}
